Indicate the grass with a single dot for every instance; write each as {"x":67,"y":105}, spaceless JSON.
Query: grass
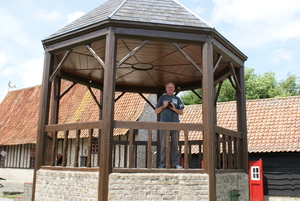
{"x":11,"y":196}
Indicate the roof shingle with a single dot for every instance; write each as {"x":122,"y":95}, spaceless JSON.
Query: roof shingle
{"x":168,"y":12}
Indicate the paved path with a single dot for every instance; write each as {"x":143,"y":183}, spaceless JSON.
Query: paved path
{"x":12,"y":187}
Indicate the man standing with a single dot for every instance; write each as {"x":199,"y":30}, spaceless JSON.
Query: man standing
{"x":169,"y":107}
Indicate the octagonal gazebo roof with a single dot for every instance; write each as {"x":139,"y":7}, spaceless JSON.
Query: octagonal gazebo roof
{"x":157,"y":42}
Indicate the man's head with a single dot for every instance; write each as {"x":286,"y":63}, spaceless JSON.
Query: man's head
{"x":170,"y":88}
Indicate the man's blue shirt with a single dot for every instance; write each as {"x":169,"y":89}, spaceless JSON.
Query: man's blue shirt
{"x":168,"y":115}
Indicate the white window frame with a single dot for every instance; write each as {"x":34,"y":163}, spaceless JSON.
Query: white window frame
{"x":255,"y":173}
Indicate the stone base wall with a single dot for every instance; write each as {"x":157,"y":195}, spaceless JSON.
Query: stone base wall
{"x":227,"y":182}
{"x":66,"y":185}
{"x":78,"y":185}
{"x":27,"y":196}
{"x":158,"y":186}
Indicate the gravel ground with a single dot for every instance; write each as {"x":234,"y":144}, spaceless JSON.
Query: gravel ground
{"x":11,"y":187}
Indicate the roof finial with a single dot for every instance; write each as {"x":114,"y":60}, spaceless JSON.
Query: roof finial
{"x":10,"y":86}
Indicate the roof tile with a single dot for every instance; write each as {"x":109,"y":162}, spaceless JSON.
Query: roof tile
{"x":272,"y":124}
{"x":19,"y":112}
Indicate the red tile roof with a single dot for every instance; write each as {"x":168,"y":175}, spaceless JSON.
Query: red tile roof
{"x":273,"y":125}
{"x":19,"y":111}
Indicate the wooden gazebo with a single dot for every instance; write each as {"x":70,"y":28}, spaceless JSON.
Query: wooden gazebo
{"x":138,"y":46}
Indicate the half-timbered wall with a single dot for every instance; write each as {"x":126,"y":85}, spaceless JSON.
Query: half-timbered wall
{"x":18,"y":156}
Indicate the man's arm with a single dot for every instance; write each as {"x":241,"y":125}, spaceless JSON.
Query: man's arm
{"x":161,"y":108}
{"x":178,"y":111}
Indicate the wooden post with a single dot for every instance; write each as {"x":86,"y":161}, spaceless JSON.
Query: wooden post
{"x":242,"y":119}
{"x":65,"y":149}
{"x":54,"y":115}
{"x":43,"y":119}
{"x":208,"y":117}
{"x":77,"y":147}
{"x":100,"y":130}
{"x":105,"y":165}
{"x":158,"y":151}
{"x":90,"y":140}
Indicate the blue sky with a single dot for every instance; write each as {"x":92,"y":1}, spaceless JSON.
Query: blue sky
{"x":267,"y":31}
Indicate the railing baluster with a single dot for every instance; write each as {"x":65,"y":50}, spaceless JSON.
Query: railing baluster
{"x":54,"y":148}
{"x":168,"y":151}
{"x":200,"y":156}
{"x":65,"y":149}
{"x":230,"y":166}
{"x":113,"y":155}
{"x":125,"y":155}
{"x":89,"y":156}
{"x":149,"y":149}
{"x":224,"y":151}
{"x":131,"y":150}
{"x":77,"y":147}
{"x":218,"y":152}
{"x":235,"y":162}
{"x":186,"y":149}
{"x":240,"y":151}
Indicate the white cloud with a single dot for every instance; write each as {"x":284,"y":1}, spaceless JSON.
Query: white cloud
{"x":198,"y":10}
{"x":73,"y":16}
{"x":282,"y":55}
{"x":32,"y":72}
{"x":12,"y":29}
{"x":255,"y":23}
{"x":49,"y":16}
{"x":3,"y":59}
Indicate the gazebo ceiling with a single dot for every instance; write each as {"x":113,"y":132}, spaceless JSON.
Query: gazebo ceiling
{"x":163,"y":45}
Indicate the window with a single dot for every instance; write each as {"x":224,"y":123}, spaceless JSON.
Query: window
{"x":255,"y":173}
{"x":95,"y":146}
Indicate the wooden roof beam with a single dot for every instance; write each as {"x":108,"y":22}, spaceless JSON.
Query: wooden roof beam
{"x":94,"y":97}
{"x":218,"y":92}
{"x":218,"y":61}
{"x":222,"y":78}
{"x":196,"y":94}
{"x":132,"y":53}
{"x":188,"y":58}
{"x":119,"y":96}
{"x":95,"y":55}
{"x":238,"y":88}
{"x":68,"y":89}
{"x":147,"y":100}
{"x":59,"y":66}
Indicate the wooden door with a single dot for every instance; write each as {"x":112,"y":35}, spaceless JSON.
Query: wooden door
{"x":256,"y":184}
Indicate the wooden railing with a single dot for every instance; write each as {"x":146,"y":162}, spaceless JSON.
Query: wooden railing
{"x":228,"y":149}
{"x":126,"y":151}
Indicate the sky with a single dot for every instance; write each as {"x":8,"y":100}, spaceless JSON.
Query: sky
{"x":266,"y":31}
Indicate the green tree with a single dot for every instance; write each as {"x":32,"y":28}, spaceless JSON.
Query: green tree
{"x":290,"y":86}
{"x":257,"y":87}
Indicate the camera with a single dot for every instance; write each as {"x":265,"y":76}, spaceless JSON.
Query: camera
{"x":169,"y":104}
